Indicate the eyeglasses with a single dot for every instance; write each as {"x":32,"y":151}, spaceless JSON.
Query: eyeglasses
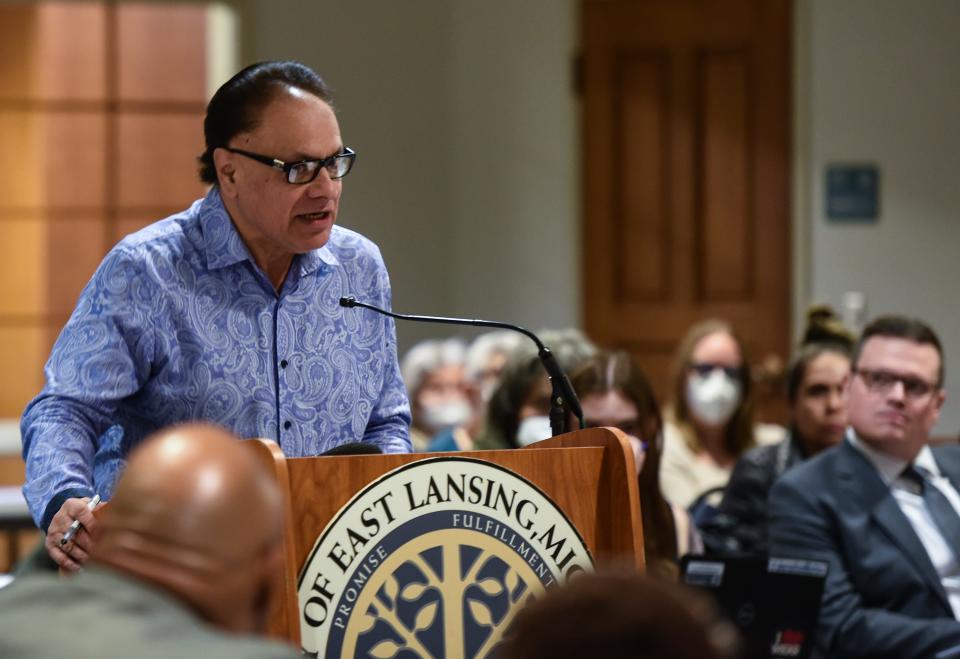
{"x":304,"y":171}
{"x":704,"y":369}
{"x":883,"y":381}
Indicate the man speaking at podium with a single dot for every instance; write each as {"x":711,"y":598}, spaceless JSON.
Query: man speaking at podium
{"x":226,"y":312}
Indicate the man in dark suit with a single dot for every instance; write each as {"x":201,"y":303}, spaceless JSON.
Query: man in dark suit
{"x":881,"y":508}
{"x":185,"y":562}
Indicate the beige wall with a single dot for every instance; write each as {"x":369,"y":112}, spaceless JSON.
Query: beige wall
{"x":465,"y":124}
{"x":877,"y":82}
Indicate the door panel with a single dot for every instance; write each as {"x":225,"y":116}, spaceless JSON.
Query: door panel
{"x":686,"y":202}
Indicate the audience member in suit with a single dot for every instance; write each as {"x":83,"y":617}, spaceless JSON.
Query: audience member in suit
{"x":815,"y":391}
{"x":881,"y":507}
{"x":615,"y":392}
{"x":710,"y":419}
{"x":185,"y":562}
{"x":619,"y":617}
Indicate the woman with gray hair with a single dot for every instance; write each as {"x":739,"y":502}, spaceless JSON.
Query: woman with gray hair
{"x":440,"y":395}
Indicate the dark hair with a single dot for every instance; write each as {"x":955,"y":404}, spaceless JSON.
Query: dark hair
{"x":901,"y":327}
{"x":235,"y":108}
{"x":824,"y":333}
{"x":801,"y":362}
{"x":619,"y":617}
{"x":739,"y":431}
{"x":617,"y":372}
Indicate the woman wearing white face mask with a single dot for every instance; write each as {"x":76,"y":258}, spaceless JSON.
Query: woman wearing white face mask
{"x":440,"y":396}
{"x":614,"y":392}
{"x":710,"y":421}
{"x":518,"y":413}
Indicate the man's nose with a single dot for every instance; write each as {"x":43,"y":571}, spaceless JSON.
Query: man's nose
{"x":897,"y":391}
{"x":322,"y":185}
{"x":835,"y":400}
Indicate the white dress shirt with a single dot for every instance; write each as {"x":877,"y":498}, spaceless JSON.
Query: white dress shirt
{"x":943,"y":557}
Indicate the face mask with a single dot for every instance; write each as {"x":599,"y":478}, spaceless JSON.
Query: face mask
{"x":713,"y":398}
{"x":533,"y":429}
{"x":449,"y":414}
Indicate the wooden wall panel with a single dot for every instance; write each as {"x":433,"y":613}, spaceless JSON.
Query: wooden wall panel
{"x":73,"y":249}
{"x":72,"y":160}
{"x":51,"y":159}
{"x":70,"y":55}
{"x":157,"y":160}
{"x":23,"y":352}
{"x":23,"y":271}
{"x":164,"y":52}
{"x":725,"y":217}
{"x":20,"y":181}
{"x":17,"y":35}
{"x":641,"y":246}
{"x":101,"y":103}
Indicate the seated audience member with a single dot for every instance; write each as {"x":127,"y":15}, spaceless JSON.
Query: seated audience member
{"x":619,"y":617}
{"x":818,"y":418}
{"x":440,"y":397}
{"x":709,"y":422}
{"x":614,"y":392}
{"x":484,"y":362}
{"x":881,"y":506}
{"x":486,"y":357}
{"x":186,"y":558}
{"x":519,"y":408}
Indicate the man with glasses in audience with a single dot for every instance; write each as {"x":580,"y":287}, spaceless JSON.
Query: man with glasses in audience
{"x":881,"y":508}
{"x":227,"y":312}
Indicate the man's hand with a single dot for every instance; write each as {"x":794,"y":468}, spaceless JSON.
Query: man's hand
{"x":76,"y":552}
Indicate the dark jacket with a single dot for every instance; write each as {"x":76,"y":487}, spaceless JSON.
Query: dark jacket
{"x":740,"y":523}
{"x":883,"y":598}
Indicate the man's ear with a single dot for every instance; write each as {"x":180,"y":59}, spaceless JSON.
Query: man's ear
{"x":226,"y":172}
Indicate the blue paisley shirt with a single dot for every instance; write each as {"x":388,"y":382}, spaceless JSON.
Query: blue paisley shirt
{"x":179,"y":324}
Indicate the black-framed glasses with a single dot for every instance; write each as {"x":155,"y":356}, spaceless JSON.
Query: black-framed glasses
{"x":304,"y":171}
{"x":881,"y":381}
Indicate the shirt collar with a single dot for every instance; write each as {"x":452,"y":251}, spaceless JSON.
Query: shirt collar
{"x":889,"y":467}
{"x":222,"y":243}
{"x":224,"y":247}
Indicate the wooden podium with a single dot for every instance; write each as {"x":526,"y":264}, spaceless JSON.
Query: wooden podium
{"x":589,"y":475}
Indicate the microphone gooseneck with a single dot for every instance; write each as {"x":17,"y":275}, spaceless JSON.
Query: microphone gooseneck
{"x":563,"y":394}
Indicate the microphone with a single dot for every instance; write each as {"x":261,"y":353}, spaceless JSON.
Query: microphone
{"x":354,"y":448}
{"x":563,"y":394}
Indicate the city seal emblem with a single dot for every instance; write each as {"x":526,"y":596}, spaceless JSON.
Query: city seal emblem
{"x":432,"y":560}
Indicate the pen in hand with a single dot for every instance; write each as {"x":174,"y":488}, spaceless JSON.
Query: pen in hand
{"x":72,"y":531}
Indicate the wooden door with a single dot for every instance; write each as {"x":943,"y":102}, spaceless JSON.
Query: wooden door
{"x":686,"y":170}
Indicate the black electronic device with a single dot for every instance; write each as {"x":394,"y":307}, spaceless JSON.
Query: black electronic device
{"x":774,"y":602}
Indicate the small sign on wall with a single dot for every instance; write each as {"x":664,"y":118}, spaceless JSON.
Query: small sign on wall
{"x":853,"y":193}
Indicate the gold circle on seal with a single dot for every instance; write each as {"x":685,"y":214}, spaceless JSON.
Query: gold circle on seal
{"x":452,"y":590}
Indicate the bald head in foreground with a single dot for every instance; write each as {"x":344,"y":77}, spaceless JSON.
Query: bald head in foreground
{"x":186,"y":557}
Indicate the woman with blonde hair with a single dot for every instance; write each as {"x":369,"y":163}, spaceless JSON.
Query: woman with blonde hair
{"x":710,"y":421}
